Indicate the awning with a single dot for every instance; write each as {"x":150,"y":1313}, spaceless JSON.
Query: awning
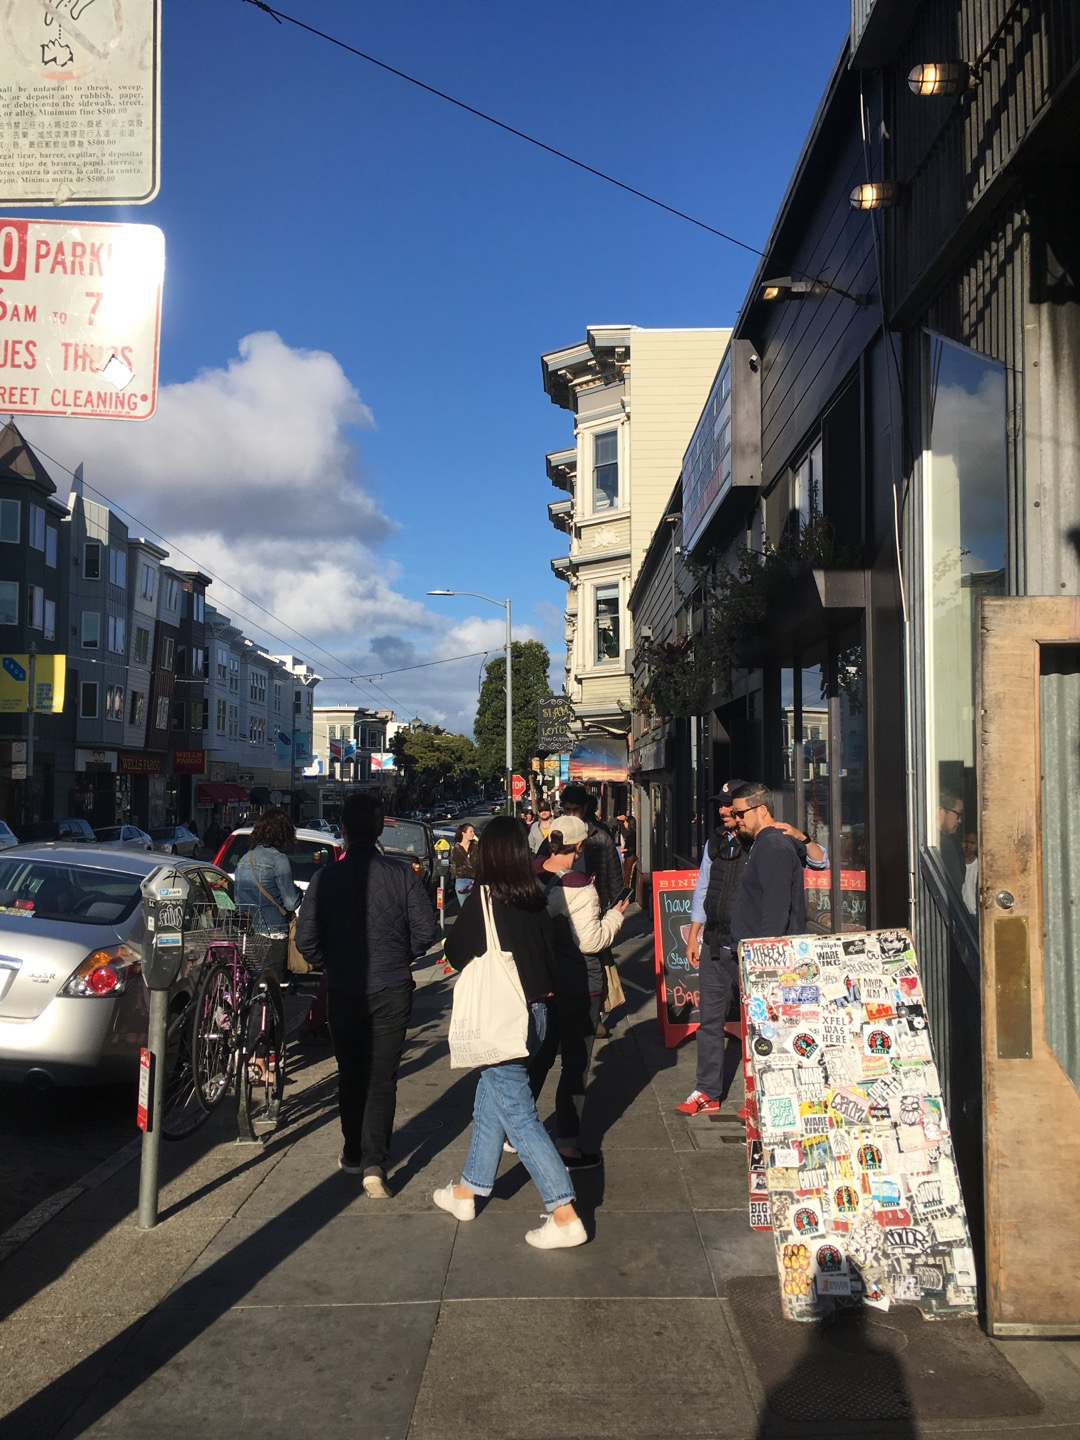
{"x":219,"y":792}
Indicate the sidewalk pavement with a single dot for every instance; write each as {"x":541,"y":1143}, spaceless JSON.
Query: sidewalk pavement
{"x":275,"y":1299}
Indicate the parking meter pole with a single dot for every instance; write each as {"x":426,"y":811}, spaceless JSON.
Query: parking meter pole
{"x":165,"y":895}
{"x":151,"y":1145}
{"x":441,"y":903}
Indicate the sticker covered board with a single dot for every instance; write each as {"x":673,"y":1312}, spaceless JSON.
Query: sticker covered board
{"x":863,"y":1194}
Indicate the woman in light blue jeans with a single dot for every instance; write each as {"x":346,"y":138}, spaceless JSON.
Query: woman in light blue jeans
{"x":504,"y":1106}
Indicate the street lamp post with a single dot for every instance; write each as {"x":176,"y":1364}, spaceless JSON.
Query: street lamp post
{"x":503,"y":605}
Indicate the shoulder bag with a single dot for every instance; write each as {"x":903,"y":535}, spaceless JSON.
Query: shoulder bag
{"x":294,"y":959}
{"x":489,"y":1019}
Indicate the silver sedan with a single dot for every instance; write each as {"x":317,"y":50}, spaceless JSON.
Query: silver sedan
{"x":129,"y":837}
{"x":73,"y":1005}
{"x":175,"y":840}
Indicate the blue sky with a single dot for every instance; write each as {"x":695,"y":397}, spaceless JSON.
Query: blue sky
{"x":361,"y":278}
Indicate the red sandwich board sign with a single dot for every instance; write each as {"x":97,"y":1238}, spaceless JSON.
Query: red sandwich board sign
{"x":80,"y":318}
{"x":517,"y":786}
{"x":677,"y":988}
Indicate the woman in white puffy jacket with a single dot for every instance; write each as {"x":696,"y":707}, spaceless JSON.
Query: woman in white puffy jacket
{"x":582,"y":934}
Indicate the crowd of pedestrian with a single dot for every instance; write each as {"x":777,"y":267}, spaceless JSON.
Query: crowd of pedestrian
{"x":552,"y":891}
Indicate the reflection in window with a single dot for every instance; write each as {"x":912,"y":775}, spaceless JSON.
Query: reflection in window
{"x":812,"y":767}
{"x":965,"y":558}
{"x":607,"y":623}
{"x":606,"y":470}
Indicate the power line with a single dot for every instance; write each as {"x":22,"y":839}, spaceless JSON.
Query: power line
{"x":280,"y":15}
{"x":119,"y":509}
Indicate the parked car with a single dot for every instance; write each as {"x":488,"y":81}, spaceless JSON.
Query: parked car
{"x":71,"y":831}
{"x":7,"y":836}
{"x":326,"y":826}
{"x":73,"y":1005}
{"x":129,"y":837}
{"x":175,"y":840}
{"x":312,"y":849}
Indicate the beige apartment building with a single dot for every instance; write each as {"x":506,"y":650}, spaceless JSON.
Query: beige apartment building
{"x":635,"y":395}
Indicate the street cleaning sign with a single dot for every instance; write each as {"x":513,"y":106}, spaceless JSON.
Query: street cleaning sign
{"x":80,"y":102}
{"x":80,"y":318}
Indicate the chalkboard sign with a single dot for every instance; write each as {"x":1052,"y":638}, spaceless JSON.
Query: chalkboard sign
{"x":677,"y":987}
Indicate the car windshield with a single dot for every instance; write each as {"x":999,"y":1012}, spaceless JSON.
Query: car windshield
{"x":305,"y":857}
{"x":404,"y":836}
{"x":38,"y":889}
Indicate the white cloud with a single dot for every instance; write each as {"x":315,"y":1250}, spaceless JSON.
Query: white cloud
{"x":252,"y":473}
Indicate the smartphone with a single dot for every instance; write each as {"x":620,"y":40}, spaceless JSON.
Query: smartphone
{"x":624,"y":894}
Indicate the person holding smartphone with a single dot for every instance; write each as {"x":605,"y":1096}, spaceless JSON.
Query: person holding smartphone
{"x":583,"y":935}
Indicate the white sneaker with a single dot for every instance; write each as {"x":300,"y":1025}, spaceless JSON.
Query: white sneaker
{"x":508,"y":1149}
{"x":375,"y":1187}
{"x":448,"y":1201}
{"x":552,"y":1236}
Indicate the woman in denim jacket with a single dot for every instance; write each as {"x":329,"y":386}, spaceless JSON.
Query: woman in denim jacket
{"x":266,"y":865}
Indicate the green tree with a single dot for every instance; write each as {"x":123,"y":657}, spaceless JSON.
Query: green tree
{"x":428,"y":755}
{"x":530,"y":676}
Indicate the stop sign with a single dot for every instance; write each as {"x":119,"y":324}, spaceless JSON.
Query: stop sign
{"x":517,"y":786}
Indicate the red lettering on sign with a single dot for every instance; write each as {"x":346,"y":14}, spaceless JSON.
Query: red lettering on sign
{"x":13,"y":249}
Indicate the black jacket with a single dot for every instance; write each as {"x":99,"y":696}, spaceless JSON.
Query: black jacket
{"x":527,"y":934}
{"x":365,"y":919}
{"x":771,"y":899}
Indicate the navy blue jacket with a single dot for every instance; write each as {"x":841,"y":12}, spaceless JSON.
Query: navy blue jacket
{"x":771,"y":899}
{"x":365,"y":919}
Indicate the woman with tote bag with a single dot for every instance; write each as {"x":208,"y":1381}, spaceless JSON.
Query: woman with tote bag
{"x":504,"y":1106}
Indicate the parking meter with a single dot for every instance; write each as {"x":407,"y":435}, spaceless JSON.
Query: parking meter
{"x":165,"y":895}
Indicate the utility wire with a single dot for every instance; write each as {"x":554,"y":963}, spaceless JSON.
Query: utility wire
{"x":119,"y":509}
{"x":280,"y":15}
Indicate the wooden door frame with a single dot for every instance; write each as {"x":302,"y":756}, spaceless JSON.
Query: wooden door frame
{"x":1031,"y":1110}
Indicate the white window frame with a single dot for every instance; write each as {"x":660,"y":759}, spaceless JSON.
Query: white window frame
{"x":604,"y":661}
{"x":594,"y":437}
{"x":91,"y":630}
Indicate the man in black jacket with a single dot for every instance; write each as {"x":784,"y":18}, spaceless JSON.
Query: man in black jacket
{"x":771,"y":899}
{"x":364,"y":920}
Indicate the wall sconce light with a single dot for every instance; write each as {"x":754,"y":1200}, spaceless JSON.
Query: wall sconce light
{"x":946,"y":77}
{"x":875,"y":195}
{"x":785,"y":287}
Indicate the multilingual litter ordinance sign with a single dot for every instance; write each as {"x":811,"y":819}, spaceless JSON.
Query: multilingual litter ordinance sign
{"x":80,"y":102}
{"x":80,"y":318}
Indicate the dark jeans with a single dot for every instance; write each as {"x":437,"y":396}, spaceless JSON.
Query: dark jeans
{"x":368,"y":1032}
{"x":571,"y":1031}
{"x":718,"y":1056}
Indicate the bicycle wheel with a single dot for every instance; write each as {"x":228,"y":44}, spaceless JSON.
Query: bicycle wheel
{"x":214,"y":1035}
{"x":181,"y":1112}
{"x":262,"y":1077}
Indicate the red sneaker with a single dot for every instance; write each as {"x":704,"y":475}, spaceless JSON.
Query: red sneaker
{"x":697,"y":1104}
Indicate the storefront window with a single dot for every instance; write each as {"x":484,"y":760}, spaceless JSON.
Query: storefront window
{"x":965,"y":527}
{"x":853,"y":853}
{"x":812,"y":767}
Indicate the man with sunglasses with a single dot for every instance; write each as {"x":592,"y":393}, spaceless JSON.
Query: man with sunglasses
{"x":719,"y":882}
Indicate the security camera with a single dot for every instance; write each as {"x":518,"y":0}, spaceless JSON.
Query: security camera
{"x":753,"y":362}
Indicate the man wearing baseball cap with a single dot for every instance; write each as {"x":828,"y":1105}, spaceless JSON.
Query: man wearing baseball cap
{"x":719,"y":878}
